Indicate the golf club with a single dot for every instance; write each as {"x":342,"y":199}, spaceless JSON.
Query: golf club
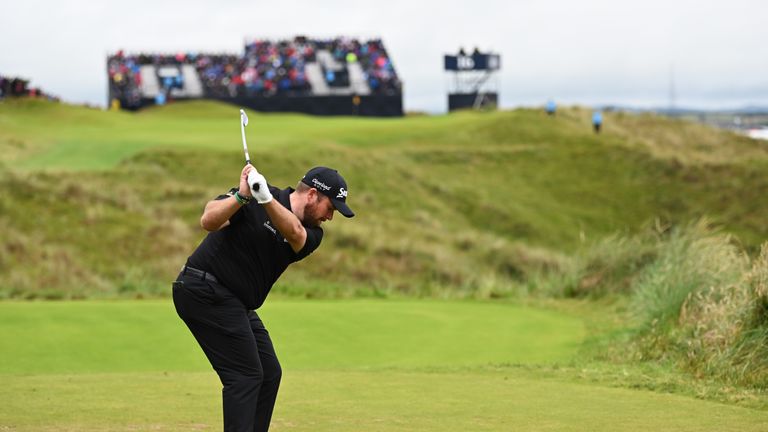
{"x":243,"y":124}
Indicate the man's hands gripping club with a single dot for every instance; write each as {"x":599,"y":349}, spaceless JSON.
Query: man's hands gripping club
{"x":217,"y":212}
{"x":254,"y":185}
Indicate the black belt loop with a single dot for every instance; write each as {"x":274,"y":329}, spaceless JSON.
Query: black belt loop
{"x":187,"y":270}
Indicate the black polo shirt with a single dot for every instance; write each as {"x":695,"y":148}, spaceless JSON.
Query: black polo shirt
{"x":248,"y":255}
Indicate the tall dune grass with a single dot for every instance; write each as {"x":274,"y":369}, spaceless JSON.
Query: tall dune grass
{"x":704,"y":306}
{"x":694,"y":298}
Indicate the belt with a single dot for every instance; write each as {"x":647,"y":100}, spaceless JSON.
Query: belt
{"x":191,"y":271}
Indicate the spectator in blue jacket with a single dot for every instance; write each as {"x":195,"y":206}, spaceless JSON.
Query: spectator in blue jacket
{"x":597,"y":120}
{"x":551,"y":107}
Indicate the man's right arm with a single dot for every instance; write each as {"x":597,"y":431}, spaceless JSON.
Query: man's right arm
{"x":218,"y":212}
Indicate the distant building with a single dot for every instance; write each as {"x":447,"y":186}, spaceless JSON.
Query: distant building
{"x":759,"y":133}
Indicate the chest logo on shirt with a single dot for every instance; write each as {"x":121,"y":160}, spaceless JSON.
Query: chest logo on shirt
{"x":269,"y":227}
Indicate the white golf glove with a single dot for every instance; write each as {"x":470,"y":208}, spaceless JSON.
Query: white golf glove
{"x":259,"y":188}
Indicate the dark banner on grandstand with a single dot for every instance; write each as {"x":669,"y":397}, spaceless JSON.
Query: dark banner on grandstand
{"x":376,"y":106}
{"x":474,"y":62}
{"x":366,"y":106}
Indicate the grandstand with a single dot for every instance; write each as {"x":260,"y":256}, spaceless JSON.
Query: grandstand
{"x":340,"y":76}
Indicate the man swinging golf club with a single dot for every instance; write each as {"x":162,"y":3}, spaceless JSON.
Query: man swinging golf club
{"x":248,"y":246}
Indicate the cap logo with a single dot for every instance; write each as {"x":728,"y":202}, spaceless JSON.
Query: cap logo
{"x":342,"y":193}
{"x":320,"y":185}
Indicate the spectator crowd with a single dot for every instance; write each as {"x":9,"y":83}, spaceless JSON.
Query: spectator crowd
{"x":125,"y":77}
{"x":266,"y":68}
{"x":377,"y":67}
{"x":19,"y":87}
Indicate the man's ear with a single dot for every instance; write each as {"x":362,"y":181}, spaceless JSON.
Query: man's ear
{"x":312,"y":195}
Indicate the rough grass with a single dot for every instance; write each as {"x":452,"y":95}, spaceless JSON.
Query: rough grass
{"x":463,"y":205}
{"x":691,"y":297}
{"x":482,"y":205}
{"x":703,"y":306}
{"x":686,"y":142}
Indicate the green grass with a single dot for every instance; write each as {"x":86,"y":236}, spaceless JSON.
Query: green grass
{"x":319,"y":401}
{"x":105,"y":205}
{"x":67,"y":337}
{"x":348,"y":366}
{"x":461,"y":205}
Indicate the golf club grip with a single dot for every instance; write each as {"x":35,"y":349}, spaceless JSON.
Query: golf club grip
{"x":255,"y":185}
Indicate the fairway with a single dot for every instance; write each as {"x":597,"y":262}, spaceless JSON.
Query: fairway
{"x":353,"y":365}
{"x":74,"y":337}
{"x":353,"y":401}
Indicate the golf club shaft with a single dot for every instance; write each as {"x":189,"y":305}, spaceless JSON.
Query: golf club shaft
{"x":243,"y":122}
{"x":245,"y":145}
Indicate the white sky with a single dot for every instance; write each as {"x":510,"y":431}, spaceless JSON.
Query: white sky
{"x":587,"y":52}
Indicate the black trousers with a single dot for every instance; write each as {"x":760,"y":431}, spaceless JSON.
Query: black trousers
{"x":239,"y":348}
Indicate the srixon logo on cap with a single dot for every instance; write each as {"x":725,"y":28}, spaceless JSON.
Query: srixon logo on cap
{"x":342,"y":193}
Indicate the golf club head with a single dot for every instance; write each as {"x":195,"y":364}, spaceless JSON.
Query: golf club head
{"x":244,"y":117}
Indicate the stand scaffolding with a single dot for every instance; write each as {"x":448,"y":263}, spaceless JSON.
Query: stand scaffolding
{"x":474,"y":82}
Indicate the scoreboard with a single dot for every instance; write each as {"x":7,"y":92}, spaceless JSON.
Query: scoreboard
{"x":474,"y":62}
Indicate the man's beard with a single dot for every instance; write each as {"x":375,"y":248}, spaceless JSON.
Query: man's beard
{"x":311,"y":216}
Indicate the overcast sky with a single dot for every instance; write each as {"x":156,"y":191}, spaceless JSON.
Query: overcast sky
{"x":591,"y":52}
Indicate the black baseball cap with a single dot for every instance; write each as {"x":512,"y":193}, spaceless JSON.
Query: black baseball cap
{"x":330,"y":183}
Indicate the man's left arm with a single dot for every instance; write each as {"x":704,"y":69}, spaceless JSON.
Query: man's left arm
{"x":284,"y":220}
{"x":288,"y":224}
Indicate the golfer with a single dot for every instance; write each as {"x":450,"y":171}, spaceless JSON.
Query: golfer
{"x":254,"y":235}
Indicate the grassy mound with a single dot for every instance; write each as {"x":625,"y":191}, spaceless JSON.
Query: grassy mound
{"x":469,"y":204}
{"x":486,"y":205}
